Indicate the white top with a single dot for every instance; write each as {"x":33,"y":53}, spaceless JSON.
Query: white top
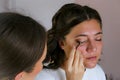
{"x":95,"y":73}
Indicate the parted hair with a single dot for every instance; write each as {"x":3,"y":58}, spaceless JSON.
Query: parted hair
{"x":68,"y":16}
{"x":22,"y":42}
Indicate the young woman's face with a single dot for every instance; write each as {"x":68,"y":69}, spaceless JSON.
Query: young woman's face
{"x":38,"y":67}
{"x":89,"y":34}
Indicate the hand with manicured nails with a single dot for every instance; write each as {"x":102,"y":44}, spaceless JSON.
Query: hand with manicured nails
{"x":74,"y":67}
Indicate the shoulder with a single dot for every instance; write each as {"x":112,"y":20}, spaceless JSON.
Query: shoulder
{"x":95,"y":73}
{"x":97,"y":68}
{"x":49,"y":74}
{"x":99,"y":71}
{"x":45,"y":74}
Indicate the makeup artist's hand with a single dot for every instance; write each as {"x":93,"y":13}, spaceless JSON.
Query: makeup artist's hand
{"x":74,"y":67}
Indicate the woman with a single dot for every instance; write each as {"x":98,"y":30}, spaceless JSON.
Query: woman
{"x":22,"y":47}
{"x":74,"y":45}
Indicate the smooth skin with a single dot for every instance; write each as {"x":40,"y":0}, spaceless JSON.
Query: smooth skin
{"x":89,"y":33}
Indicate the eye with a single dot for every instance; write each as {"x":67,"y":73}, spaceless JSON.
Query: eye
{"x":98,"y":39}
{"x":82,"y":42}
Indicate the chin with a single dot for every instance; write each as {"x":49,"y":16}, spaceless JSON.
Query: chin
{"x":90,"y":65}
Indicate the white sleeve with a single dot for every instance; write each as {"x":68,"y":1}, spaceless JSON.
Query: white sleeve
{"x":101,"y":73}
{"x":95,"y":73}
{"x":44,"y":75}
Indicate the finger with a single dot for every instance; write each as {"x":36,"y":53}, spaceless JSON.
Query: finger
{"x":76,"y":59}
{"x":71,"y":57}
{"x":81,"y":61}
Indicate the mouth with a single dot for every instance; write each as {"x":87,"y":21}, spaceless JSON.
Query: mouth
{"x":92,"y":58}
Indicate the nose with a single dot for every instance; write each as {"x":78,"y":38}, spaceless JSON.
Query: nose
{"x":91,"y":46}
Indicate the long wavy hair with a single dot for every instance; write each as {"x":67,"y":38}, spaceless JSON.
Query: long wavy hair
{"x":68,"y":16}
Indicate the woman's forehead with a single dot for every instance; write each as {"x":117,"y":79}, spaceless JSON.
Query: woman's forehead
{"x":86,"y":28}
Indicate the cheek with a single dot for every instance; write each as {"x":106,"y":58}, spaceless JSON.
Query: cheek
{"x":83,"y":49}
{"x":67,"y":51}
{"x":67,"y":47}
{"x":99,"y":51}
{"x":99,"y":48}
{"x":33,"y":74}
{"x":37,"y":69}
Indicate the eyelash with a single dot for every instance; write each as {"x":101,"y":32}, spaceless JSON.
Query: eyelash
{"x":82,"y":42}
{"x":99,"y":39}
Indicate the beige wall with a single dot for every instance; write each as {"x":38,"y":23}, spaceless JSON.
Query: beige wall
{"x":4,"y":5}
{"x":43,"y":10}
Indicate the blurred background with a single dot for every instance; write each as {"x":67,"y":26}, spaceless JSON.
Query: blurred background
{"x":43,"y":10}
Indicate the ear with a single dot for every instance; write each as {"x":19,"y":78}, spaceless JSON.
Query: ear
{"x":62,"y":44}
{"x":20,"y":76}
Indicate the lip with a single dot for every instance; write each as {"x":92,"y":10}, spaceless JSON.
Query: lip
{"x":93,"y":58}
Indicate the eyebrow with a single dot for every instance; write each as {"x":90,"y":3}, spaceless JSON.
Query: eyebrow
{"x":98,"y":33}
{"x":84,"y":35}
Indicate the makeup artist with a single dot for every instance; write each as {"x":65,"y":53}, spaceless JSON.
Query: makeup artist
{"x":74,"y":45}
